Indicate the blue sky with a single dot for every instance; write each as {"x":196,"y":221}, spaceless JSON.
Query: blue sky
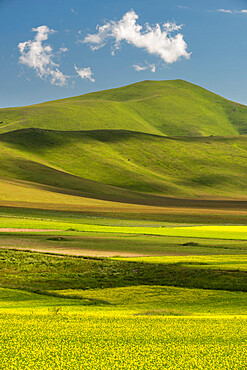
{"x":51,"y":49}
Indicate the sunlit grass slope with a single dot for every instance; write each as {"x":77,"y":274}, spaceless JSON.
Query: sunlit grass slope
{"x":99,"y":162}
{"x":172,"y":108}
{"x":131,"y":144}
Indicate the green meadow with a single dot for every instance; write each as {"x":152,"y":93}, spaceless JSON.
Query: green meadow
{"x":68,"y":228}
{"x":123,"y":231}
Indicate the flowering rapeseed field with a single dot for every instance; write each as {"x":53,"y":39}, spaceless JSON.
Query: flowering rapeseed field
{"x":73,"y":322}
{"x":76,"y":340}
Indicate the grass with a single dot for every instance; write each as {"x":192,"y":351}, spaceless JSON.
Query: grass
{"x":229,"y":232}
{"x":164,"y":299}
{"x":125,"y":164}
{"x":217,"y":262}
{"x":146,"y":140}
{"x":121,"y":245}
{"x":158,"y":107}
{"x":43,"y":273}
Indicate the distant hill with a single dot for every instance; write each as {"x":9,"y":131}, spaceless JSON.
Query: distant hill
{"x":168,"y":108}
{"x":133,"y":144}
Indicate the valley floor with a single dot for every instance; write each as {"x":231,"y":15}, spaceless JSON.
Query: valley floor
{"x":94,"y":291}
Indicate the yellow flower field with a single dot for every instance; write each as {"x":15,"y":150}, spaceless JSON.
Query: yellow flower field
{"x":76,"y":340}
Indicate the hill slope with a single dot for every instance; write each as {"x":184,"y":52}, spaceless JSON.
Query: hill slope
{"x":103,"y":161}
{"x":135,"y":144}
{"x":169,"y":108}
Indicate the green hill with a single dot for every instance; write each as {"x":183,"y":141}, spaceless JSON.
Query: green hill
{"x":132,"y":144}
{"x":169,"y":108}
{"x":97,"y":161}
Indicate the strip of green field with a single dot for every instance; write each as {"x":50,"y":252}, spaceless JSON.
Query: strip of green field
{"x":40,"y":272}
{"x":220,"y":262}
{"x":164,"y":300}
{"x":131,"y":300}
{"x":103,"y":244}
{"x":208,"y":232}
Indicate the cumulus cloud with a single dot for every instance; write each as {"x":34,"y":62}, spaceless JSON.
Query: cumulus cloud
{"x":150,"y":67}
{"x":162,"y":41}
{"x":39,"y":56}
{"x":85,"y":73}
{"x":232,"y":11}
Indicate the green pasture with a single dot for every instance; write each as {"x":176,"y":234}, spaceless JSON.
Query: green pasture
{"x":126,"y":164}
{"x":108,"y":244}
{"x":219,"y":262}
{"x":164,"y":300}
{"x":39,"y":272}
{"x":142,"y":300}
{"x":65,"y":208}
{"x":232,"y":232}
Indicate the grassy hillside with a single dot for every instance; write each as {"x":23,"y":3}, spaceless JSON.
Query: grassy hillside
{"x":99,"y":163}
{"x":172,"y":108}
{"x":132,"y":144}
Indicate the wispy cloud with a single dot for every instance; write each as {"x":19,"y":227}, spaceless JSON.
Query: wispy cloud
{"x":146,"y":67}
{"x":85,"y":73}
{"x":164,"y":41}
{"x":63,"y":50}
{"x":39,"y":56}
{"x":228,"y":11}
{"x":183,"y":7}
{"x":224,"y":11}
{"x":73,"y":11}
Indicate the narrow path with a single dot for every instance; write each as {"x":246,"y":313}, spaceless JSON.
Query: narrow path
{"x":78,"y":252}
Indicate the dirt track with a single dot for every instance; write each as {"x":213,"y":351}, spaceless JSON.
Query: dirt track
{"x":78,"y":252}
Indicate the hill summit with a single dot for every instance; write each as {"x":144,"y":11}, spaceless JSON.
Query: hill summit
{"x":166,"y":108}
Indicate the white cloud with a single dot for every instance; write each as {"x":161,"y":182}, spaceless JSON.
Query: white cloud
{"x":39,"y":56}
{"x":224,"y":11}
{"x":183,"y":7}
{"x":63,"y":50}
{"x":232,"y":11}
{"x":85,"y":73}
{"x":157,"y":40}
{"x":150,"y":67}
